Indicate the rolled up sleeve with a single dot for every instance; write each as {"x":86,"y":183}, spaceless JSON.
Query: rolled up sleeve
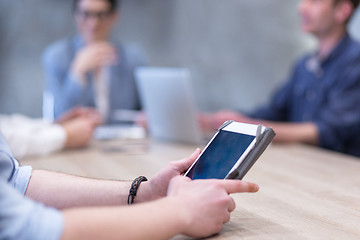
{"x":22,"y":218}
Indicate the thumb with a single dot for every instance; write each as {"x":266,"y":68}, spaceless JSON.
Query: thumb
{"x":186,"y":163}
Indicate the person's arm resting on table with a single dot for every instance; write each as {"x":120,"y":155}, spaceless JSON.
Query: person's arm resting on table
{"x":306,"y":132}
{"x":179,"y":205}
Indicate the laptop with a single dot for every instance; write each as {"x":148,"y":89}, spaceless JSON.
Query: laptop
{"x":166,"y":95}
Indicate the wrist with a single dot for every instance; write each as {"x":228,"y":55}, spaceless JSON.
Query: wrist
{"x":179,"y":209}
{"x":134,"y":188}
{"x":145,"y":193}
{"x":60,"y":135}
{"x":68,"y":143}
{"x":78,"y":75}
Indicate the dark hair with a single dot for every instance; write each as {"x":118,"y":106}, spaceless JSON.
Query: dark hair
{"x":114,"y":4}
{"x":355,"y":3}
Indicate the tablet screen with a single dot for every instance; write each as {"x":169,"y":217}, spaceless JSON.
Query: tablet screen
{"x":221,"y":155}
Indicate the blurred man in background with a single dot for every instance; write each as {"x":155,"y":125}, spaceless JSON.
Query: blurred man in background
{"x":319,"y":104}
{"x":89,"y":69}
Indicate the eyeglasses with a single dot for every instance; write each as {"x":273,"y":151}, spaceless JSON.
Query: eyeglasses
{"x":86,"y":15}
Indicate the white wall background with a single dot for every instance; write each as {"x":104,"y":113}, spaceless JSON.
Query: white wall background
{"x":238,"y":50}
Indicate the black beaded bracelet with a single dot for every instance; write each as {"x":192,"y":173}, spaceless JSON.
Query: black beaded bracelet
{"x":134,"y":187}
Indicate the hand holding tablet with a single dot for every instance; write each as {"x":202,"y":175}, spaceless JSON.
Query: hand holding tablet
{"x":231,"y":152}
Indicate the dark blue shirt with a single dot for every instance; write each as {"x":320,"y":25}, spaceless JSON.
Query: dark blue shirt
{"x":326,"y":93}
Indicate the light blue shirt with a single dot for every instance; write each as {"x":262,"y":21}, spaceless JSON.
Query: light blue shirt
{"x":20,"y":217}
{"x":67,"y":93}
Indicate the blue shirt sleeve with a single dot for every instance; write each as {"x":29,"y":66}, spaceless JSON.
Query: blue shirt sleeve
{"x":277,"y":109}
{"x":339,"y":123}
{"x":20,"y":178}
{"x":66,"y":92}
{"x":20,"y":217}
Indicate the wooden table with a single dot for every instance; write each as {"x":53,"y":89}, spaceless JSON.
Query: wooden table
{"x":305,"y":192}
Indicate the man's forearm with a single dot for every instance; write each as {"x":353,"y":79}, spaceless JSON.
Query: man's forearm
{"x":159,"y":219}
{"x":295,"y":132}
{"x":306,"y":132}
{"x":65,"y":191}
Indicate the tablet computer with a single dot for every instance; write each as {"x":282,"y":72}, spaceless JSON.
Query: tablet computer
{"x":231,"y":152}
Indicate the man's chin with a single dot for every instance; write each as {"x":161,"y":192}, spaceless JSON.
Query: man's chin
{"x":307,"y":29}
{"x":91,"y":38}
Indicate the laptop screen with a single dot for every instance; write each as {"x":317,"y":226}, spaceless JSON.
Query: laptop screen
{"x":166,"y":95}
